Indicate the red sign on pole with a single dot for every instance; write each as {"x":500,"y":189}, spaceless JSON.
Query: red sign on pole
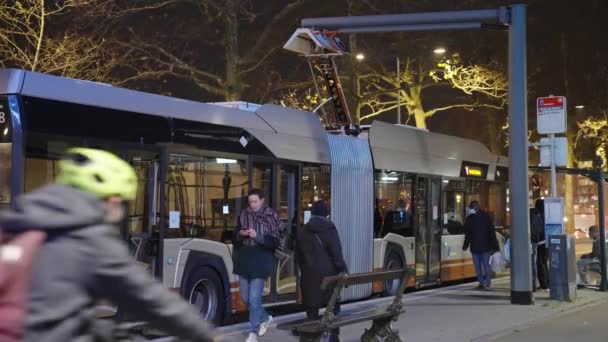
{"x":551,"y":114}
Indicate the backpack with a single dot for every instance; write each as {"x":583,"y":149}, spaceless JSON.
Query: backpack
{"x":17,"y":254}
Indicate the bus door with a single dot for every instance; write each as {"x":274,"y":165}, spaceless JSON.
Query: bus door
{"x":279,"y":181}
{"x":287,"y":207}
{"x":428,"y":229}
{"x":142,"y":227}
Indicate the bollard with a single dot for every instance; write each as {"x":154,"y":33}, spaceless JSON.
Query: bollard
{"x":562,"y":267}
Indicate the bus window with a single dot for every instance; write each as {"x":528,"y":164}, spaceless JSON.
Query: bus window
{"x":204,"y":195}
{"x":453,"y":212}
{"x":394,"y":212}
{"x":6,"y":147}
{"x":491,"y":197}
{"x":41,"y":156}
{"x":453,"y":207}
{"x":316,"y":185}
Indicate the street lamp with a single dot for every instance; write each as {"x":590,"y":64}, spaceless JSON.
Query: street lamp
{"x":439,"y":51}
{"x":360,"y":56}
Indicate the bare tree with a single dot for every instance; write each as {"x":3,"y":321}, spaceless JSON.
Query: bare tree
{"x":472,"y":86}
{"x":24,"y":40}
{"x":30,"y":36}
{"x":385,"y":91}
{"x":596,"y":130}
{"x":232,"y":19}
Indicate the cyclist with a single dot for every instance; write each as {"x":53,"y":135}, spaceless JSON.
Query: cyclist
{"x":82,"y":258}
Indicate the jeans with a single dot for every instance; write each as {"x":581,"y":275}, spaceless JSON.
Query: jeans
{"x":534,"y":256}
{"x":251,"y":293}
{"x":482,"y":268}
{"x":582,"y":272}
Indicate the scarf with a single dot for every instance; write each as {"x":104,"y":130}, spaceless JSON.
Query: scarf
{"x":265,"y":221}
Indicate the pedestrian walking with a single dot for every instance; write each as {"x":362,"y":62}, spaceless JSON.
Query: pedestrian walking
{"x":480,"y":237}
{"x":257,"y":233}
{"x":319,"y":253}
{"x":80,"y":258}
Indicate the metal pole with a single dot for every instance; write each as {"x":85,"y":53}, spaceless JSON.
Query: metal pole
{"x":487,"y":16}
{"x":553,"y":171}
{"x":600,"y":195}
{"x":398,"y":93}
{"x":521,"y":274}
{"x":409,"y":28}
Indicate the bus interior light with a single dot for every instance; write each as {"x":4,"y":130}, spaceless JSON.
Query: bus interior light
{"x":225,"y":161}
{"x":388,"y":178}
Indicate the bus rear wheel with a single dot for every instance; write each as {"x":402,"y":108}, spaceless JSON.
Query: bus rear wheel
{"x":392,"y":261}
{"x":204,"y":290}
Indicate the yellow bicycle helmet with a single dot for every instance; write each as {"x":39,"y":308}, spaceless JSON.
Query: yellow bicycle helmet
{"x":98,"y":172}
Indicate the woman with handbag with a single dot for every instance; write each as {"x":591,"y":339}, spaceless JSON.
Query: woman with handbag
{"x":319,"y":255}
{"x":256,"y":237}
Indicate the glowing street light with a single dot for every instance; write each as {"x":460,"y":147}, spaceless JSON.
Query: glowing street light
{"x":439,"y":51}
{"x":360,"y":56}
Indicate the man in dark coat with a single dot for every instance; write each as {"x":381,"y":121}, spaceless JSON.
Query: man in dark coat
{"x":83,"y":259}
{"x":540,"y":268}
{"x":480,"y":236}
{"x":319,"y":255}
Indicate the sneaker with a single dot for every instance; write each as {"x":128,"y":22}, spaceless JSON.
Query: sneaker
{"x":480,"y":287}
{"x":252,"y":338}
{"x":265,"y":325}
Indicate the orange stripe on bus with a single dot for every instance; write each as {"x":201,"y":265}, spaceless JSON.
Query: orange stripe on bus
{"x":456,"y":261}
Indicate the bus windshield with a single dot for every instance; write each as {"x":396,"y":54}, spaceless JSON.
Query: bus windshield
{"x":5,"y":153}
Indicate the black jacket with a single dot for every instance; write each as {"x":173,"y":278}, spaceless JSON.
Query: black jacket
{"x":479,"y":233}
{"x":83,"y":260}
{"x":319,"y":255}
{"x":595,"y":251}
{"x":537,"y":226}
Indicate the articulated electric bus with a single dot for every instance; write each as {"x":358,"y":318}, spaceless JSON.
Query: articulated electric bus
{"x":398,"y":195}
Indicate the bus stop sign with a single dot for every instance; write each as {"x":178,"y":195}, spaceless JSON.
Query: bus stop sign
{"x":551,"y":114}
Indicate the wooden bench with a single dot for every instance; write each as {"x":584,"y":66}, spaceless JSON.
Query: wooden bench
{"x":381,"y":315}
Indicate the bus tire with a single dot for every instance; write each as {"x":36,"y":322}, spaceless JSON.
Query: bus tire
{"x":205,"y":292}
{"x":393,"y":260}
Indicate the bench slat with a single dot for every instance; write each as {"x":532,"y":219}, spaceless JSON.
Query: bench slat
{"x":363,"y":278}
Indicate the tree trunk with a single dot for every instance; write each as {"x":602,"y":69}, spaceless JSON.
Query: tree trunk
{"x":493,"y":128}
{"x":420,"y":117}
{"x":418,"y":111}
{"x":42,"y":20}
{"x":232,"y":83}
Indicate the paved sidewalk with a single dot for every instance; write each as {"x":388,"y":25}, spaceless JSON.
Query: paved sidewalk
{"x":454,"y":314}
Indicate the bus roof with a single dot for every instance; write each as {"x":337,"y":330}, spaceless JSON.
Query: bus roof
{"x":287,"y":133}
{"x":399,"y":148}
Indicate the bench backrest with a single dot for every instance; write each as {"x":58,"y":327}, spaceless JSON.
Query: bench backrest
{"x":337,"y":283}
{"x":362,"y":278}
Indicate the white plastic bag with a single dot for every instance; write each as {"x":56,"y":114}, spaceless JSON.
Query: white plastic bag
{"x":497,"y":262}
{"x":507,"y":250}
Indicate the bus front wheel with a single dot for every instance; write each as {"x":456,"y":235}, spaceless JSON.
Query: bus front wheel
{"x":204,"y":290}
